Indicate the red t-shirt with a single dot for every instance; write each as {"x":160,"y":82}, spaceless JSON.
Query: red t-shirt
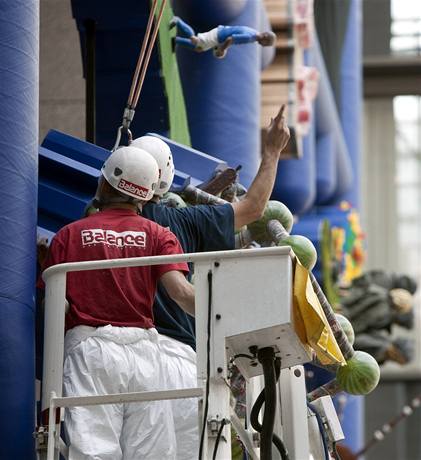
{"x":118,"y":296}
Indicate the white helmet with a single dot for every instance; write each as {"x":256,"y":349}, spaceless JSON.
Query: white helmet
{"x":132,"y":172}
{"x":163,"y":156}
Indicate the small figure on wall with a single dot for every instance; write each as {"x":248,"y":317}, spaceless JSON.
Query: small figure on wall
{"x":220,"y":38}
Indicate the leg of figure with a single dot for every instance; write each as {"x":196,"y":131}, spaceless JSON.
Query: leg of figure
{"x":185,"y":42}
{"x":180,"y":370}
{"x":182,"y":27}
{"x":148,"y":428}
{"x":93,"y":432}
{"x":239,"y":34}
{"x":242,"y":39}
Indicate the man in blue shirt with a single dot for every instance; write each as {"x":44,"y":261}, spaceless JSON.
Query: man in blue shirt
{"x":201,"y":228}
{"x":220,"y":38}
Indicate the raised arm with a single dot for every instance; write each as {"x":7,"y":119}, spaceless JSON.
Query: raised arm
{"x":179,"y":289}
{"x":251,"y":207}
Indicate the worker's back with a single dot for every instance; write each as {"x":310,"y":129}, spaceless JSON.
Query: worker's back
{"x":198,"y":229}
{"x":122,"y":296}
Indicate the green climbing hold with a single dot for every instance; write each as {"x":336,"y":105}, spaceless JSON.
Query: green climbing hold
{"x":303,"y":249}
{"x":360,"y":375}
{"x":275,"y":210}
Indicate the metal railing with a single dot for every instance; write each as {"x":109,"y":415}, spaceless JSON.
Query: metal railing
{"x":55,"y":298}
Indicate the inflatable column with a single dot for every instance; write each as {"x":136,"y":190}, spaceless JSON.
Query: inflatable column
{"x":223,"y":95}
{"x":19,"y":32}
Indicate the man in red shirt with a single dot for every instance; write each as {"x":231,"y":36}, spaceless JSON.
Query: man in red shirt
{"x":111,"y":345}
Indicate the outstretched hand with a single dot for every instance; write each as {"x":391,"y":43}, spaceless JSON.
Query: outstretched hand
{"x":277,"y":134}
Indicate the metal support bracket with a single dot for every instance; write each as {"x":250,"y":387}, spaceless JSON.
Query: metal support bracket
{"x":128,"y":116}
{"x":41,"y":439}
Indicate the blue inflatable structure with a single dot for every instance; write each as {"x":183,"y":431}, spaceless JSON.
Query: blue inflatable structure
{"x":208,"y":14}
{"x":69,"y":170}
{"x":328,"y":127}
{"x":352,"y":96}
{"x":324,"y":175}
{"x":338,"y":150}
{"x":119,"y":33}
{"x":19,"y":25}
{"x":223,"y":96}
{"x":296,"y":179}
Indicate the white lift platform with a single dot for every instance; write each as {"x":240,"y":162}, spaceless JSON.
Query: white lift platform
{"x":244,"y":302}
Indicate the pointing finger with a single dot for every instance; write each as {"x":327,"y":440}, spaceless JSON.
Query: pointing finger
{"x":280,"y":115}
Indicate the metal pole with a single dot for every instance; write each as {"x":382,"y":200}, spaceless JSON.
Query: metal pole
{"x":55,"y":296}
{"x":138,"y":396}
{"x":90,"y":85}
{"x":294,"y":412}
{"x":219,"y":409}
{"x":162,"y":260}
{"x":53,"y":431}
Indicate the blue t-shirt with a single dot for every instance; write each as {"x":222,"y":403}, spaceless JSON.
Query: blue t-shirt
{"x":198,"y":229}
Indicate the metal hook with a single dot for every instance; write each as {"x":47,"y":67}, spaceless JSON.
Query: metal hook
{"x":118,"y":139}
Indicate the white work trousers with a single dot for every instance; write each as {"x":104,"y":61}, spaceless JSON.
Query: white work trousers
{"x":179,"y":362}
{"x":109,"y":360}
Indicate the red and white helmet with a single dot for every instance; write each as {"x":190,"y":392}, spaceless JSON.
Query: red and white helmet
{"x":163,"y":156}
{"x":132,"y":172}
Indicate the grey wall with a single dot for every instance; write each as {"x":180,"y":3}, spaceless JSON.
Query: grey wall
{"x":379,"y":221}
{"x":404,"y":442}
{"x":378,"y":170}
{"x":62,"y":86}
{"x":376,"y":27}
